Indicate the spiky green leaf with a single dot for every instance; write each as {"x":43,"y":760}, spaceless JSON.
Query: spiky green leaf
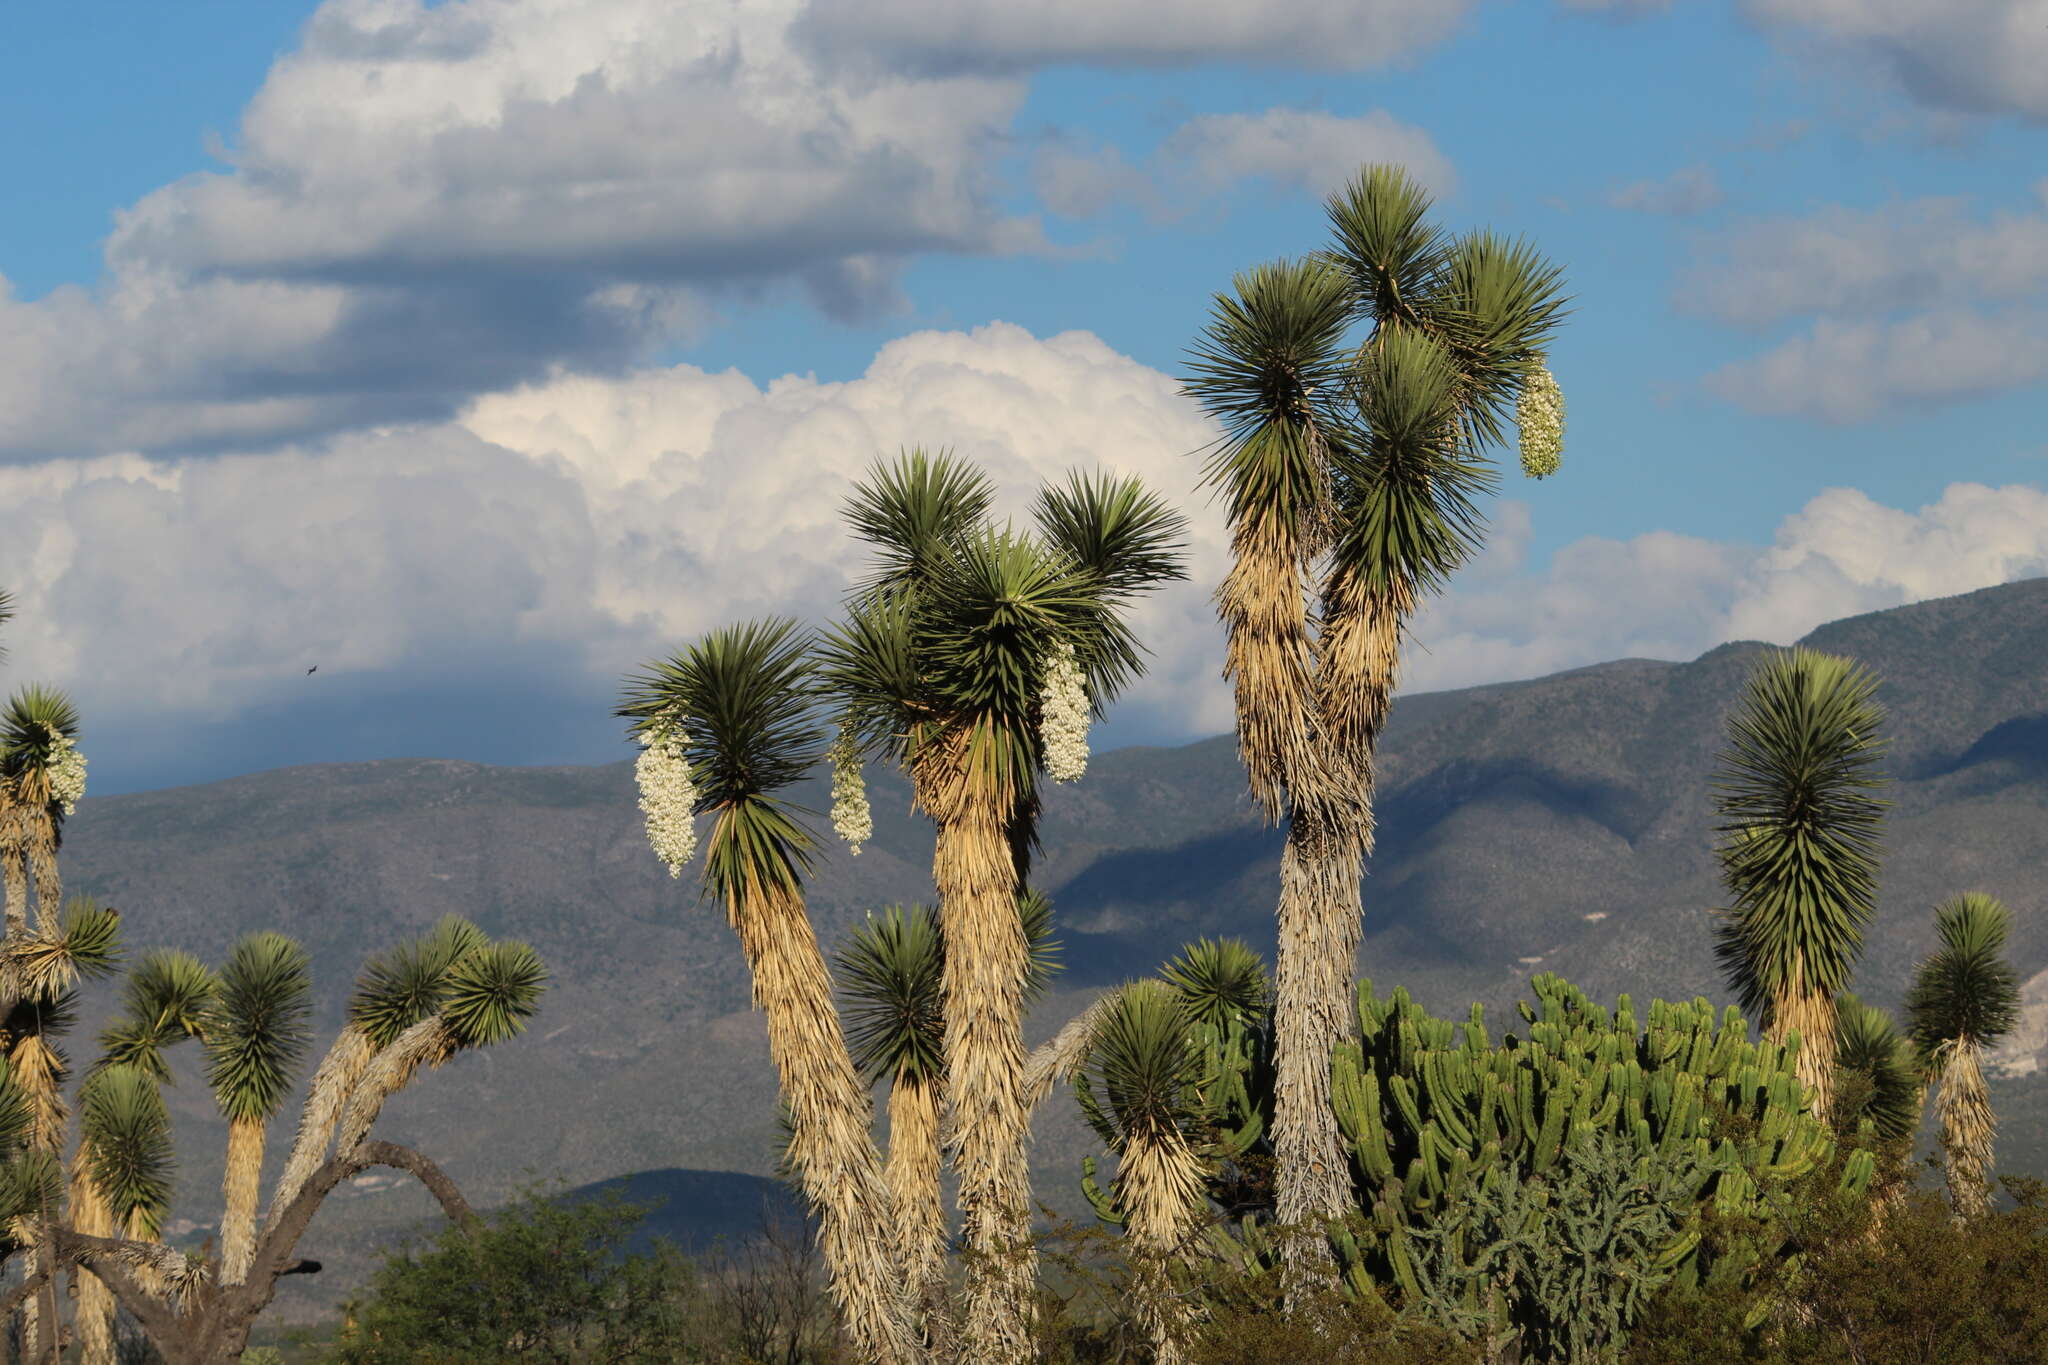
{"x":492,"y":991}
{"x":255,"y":1031}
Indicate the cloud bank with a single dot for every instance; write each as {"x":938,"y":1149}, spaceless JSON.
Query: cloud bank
{"x":512,"y":565}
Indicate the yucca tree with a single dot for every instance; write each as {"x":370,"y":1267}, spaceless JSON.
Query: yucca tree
{"x":121,"y":1171}
{"x":255,"y":1036}
{"x":120,"y":1182}
{"x":1351,"y":484}
{"x":395,"y":991}
{"x":726,"y":724}
{"x":1799,"y":853}
{"x":1142,"y":1070}
{"x":45,"y":968}
{"x":974,"y":656}
{"x":193,"y":1313}
{"x":1965,"y":997}
{"x":891,"y":972}
{"x":1875,"y":1063}
{"x":42,"y":775}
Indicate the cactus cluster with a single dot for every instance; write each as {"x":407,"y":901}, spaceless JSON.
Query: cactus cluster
{"x":1441,"y":1119}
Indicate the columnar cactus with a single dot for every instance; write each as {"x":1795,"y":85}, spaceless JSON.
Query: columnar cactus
{"x":1435,"y":1114}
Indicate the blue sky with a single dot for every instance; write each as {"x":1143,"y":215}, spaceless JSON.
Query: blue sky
{"x":479,"y":352}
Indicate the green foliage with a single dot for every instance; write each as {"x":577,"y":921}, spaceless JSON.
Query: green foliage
{"x":959,"y":616}
{"x":890,"y":971}
{"x":492,"y":991}
{"x":1881,"y":1081}
{"x":748,"y":698}
{"x":164,"y":1000}
{"x":36,"y":717}
{"x":1269,"y":371}
{"x":541,"y":1281}
{"x":255,"y":1031}
{"x":1143,"y":1067}
{"x":1914,"y":1288}
{"x":1800,"y":855}
{"x":133,"y":1160}
{"x":1966,"y":989}
{"x":398,"y":988}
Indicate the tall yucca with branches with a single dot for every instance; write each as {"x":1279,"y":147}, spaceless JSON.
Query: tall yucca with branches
{"x":1799,"y":853}
{"x":1351,"y":483}
{"x":972,"y":656}
{"x":1143,"y":1066}
{"x":42,"y":775}
{"x":255,"y":1037}
{"x":738,"y":707}
{"x":45,"y":968}
{"x":1965,"y":997}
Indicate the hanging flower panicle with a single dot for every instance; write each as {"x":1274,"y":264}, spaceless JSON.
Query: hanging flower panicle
{"x":851,"y":818}
{"x":67,"y":774}
{"x":1063,"y":716}
{"x":1540,"y":412}
{"x":668,"y":798}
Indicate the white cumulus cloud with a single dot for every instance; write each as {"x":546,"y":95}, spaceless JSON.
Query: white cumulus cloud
{"x":428,"y":202}
{"x":559,"y":534}
{"x":1911,"y":304}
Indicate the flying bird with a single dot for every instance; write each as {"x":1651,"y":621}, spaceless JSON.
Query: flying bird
{"x":311,"y":671}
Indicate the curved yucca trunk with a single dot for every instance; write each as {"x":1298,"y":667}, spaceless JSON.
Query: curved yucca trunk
{"x":918,"y":1210}
{"x":94,"y":1313}
{"x":429,"y":1043}
{"x":340,"y":1071}
{"x":987,"y":959}
{"x":241,"y":1188}
{"x":1968,"y":1128}
{"x":1811,"y":1013}
{"x":1160,"y":1192}
{"x":831,"y":1147}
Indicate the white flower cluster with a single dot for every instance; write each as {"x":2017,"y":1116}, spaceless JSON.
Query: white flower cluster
{"x":668,"y":798}
{"x":67,"y":774}
{"x":1540,"y":411}
{"x":1063,"y":716}
{"x":851,"y":817}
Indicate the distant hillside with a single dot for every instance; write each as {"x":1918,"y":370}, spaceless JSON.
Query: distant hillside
{"x":1561,"y":824}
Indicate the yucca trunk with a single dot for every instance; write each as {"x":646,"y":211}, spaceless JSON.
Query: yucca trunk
{"x":429,"y":1043}
{"x":1321,"y":913}
{"x":94,"y":1313}
{"x":42,"y":858}
{"x":831,"y":1147}
{"x":1269,"y":658}
{"x":14,"y":863}
{"x":39,"y":1071}
{"x":987,"y":958}
{"x":917,"y":1208}
{"x":1159,"y":1188}
{"x":241,"y":1187}
{"x":1810,"y":1013}
{"x":1967,"y":1128}
{"x":340,"y":1071}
